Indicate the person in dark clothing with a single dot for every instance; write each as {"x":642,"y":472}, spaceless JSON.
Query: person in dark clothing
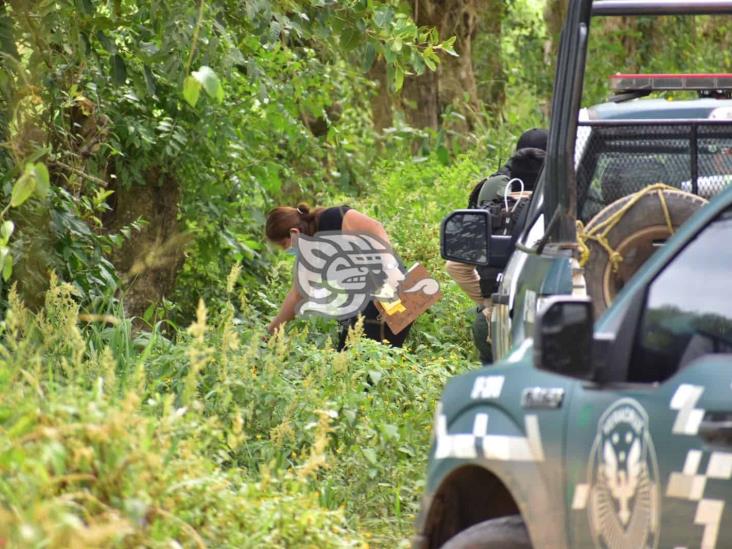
{"x":285,"y":224}
{"x":525,"y":164}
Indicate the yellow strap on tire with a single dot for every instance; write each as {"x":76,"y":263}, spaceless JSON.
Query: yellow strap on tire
{"x":599,"y":232}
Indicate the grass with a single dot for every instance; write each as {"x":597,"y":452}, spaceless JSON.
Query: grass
{"x":212,"y":436}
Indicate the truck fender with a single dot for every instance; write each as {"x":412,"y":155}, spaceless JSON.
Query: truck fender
{"x":491,"y":469}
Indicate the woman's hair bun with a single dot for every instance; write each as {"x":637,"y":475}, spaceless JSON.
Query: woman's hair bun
{"x":303,"y":208}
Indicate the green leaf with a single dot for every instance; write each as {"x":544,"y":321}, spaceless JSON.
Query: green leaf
{"x":7,"y":42}
{"x":43,"y":184}
{"x":7,"y":266}
{"x":34,"y":179}
{"x":383,"y":17}
{"x":6,"y":230}
{"x":430,"y":59}
{"x":148,"y":314}
{"x":4,"y":252}
{"x":210,"y":82}
{"x":191,"y":90}
{"x":370,"y":456}
{"x":106,"y":43}
{"x":86,"y":7}
{"x":24,"y":187}
{"x":349,"y":38}
{"x":418,"y":64}
{"x":398,"y":77}
{"x":448,"y":46}
{"x":272,"y":181}
{"x":119,"y":71}
{"x":369,"y":57}
{"x":149,"y":79}
{"x":375,"y":376}
{"x":390,"y":431}
{"x":443,"y":155}
{"x":38,"y":153}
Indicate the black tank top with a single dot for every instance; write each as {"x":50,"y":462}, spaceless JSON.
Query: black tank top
{"x":331,"y":219}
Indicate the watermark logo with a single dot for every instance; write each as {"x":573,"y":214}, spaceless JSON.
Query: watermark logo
{"x":338,"y":274}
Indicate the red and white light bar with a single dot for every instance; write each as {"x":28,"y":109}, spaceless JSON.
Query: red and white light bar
{"x":622,"y":83}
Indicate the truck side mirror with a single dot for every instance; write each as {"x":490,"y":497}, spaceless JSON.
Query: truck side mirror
{"x":563,"y":337}
{"x":465,"y":236}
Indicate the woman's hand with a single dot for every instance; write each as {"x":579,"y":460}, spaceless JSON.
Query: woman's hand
{"x":272,"y":326}
{"x":287,"y":311}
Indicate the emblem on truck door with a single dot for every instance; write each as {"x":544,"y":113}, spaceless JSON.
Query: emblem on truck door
{"x":624,"y":500}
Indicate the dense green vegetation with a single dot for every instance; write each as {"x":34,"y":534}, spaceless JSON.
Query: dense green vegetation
{"x":142,"y":145}
{"x":210,"y":435}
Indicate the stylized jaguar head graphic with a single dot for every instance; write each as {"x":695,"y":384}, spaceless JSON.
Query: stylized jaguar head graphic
{"x":338,"y":274}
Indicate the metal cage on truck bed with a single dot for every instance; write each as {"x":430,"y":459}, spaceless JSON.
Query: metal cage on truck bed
{"x":616,"y":158}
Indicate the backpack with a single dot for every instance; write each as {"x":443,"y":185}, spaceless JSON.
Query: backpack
{"x":508,"y":216}
{"x":487,"y":188}
{"x":526,"y":164}
{"x":508,"y":213}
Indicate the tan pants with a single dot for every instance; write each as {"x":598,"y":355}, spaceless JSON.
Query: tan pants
{"x":467,"y":278}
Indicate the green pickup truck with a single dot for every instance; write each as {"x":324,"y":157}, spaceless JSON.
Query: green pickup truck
{"x":618,"y":436}
{"x":578,"y":234}
{"x":614,"y":434}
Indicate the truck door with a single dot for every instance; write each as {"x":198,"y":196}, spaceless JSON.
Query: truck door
{"x":649,"y":461}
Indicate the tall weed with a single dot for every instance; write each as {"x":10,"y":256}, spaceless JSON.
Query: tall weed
{"x":216,"y":436}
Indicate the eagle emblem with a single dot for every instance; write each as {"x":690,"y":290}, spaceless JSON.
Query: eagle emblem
{"x":624,"y":502}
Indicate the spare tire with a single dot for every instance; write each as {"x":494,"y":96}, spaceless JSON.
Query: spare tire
{"x":635,"y":236}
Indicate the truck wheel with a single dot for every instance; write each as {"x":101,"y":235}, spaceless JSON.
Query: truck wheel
{"x":635,"y":236}
{"x":501,"y":533}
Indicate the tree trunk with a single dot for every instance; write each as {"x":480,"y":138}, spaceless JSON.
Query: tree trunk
{"x":427,"y":96}
{"x":381,"y":111}
{"x":7,"y":47}
{"x":493,"y":90}
{"x":456,"y":77}
{"x":419,"y":100}
{"x":554,"y":13}
{"x":148,"y":263}
{"x":420,"y":94}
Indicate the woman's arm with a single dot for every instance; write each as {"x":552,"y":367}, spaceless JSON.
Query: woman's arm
{"x":287,"y":310}
{"x":356,"y":222}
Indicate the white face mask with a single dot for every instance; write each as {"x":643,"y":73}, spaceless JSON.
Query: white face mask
{"x":292,"y":250}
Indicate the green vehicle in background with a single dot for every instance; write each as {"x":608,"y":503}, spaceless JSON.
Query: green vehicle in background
{"x":598,"y":158}
{"x":612,"y":434}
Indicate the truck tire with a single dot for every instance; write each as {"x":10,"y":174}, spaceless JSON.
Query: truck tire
{"x":500,"y":533}
{"x":635,"y":237}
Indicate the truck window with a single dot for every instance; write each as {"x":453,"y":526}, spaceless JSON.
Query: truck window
{"x":688,"y":309}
